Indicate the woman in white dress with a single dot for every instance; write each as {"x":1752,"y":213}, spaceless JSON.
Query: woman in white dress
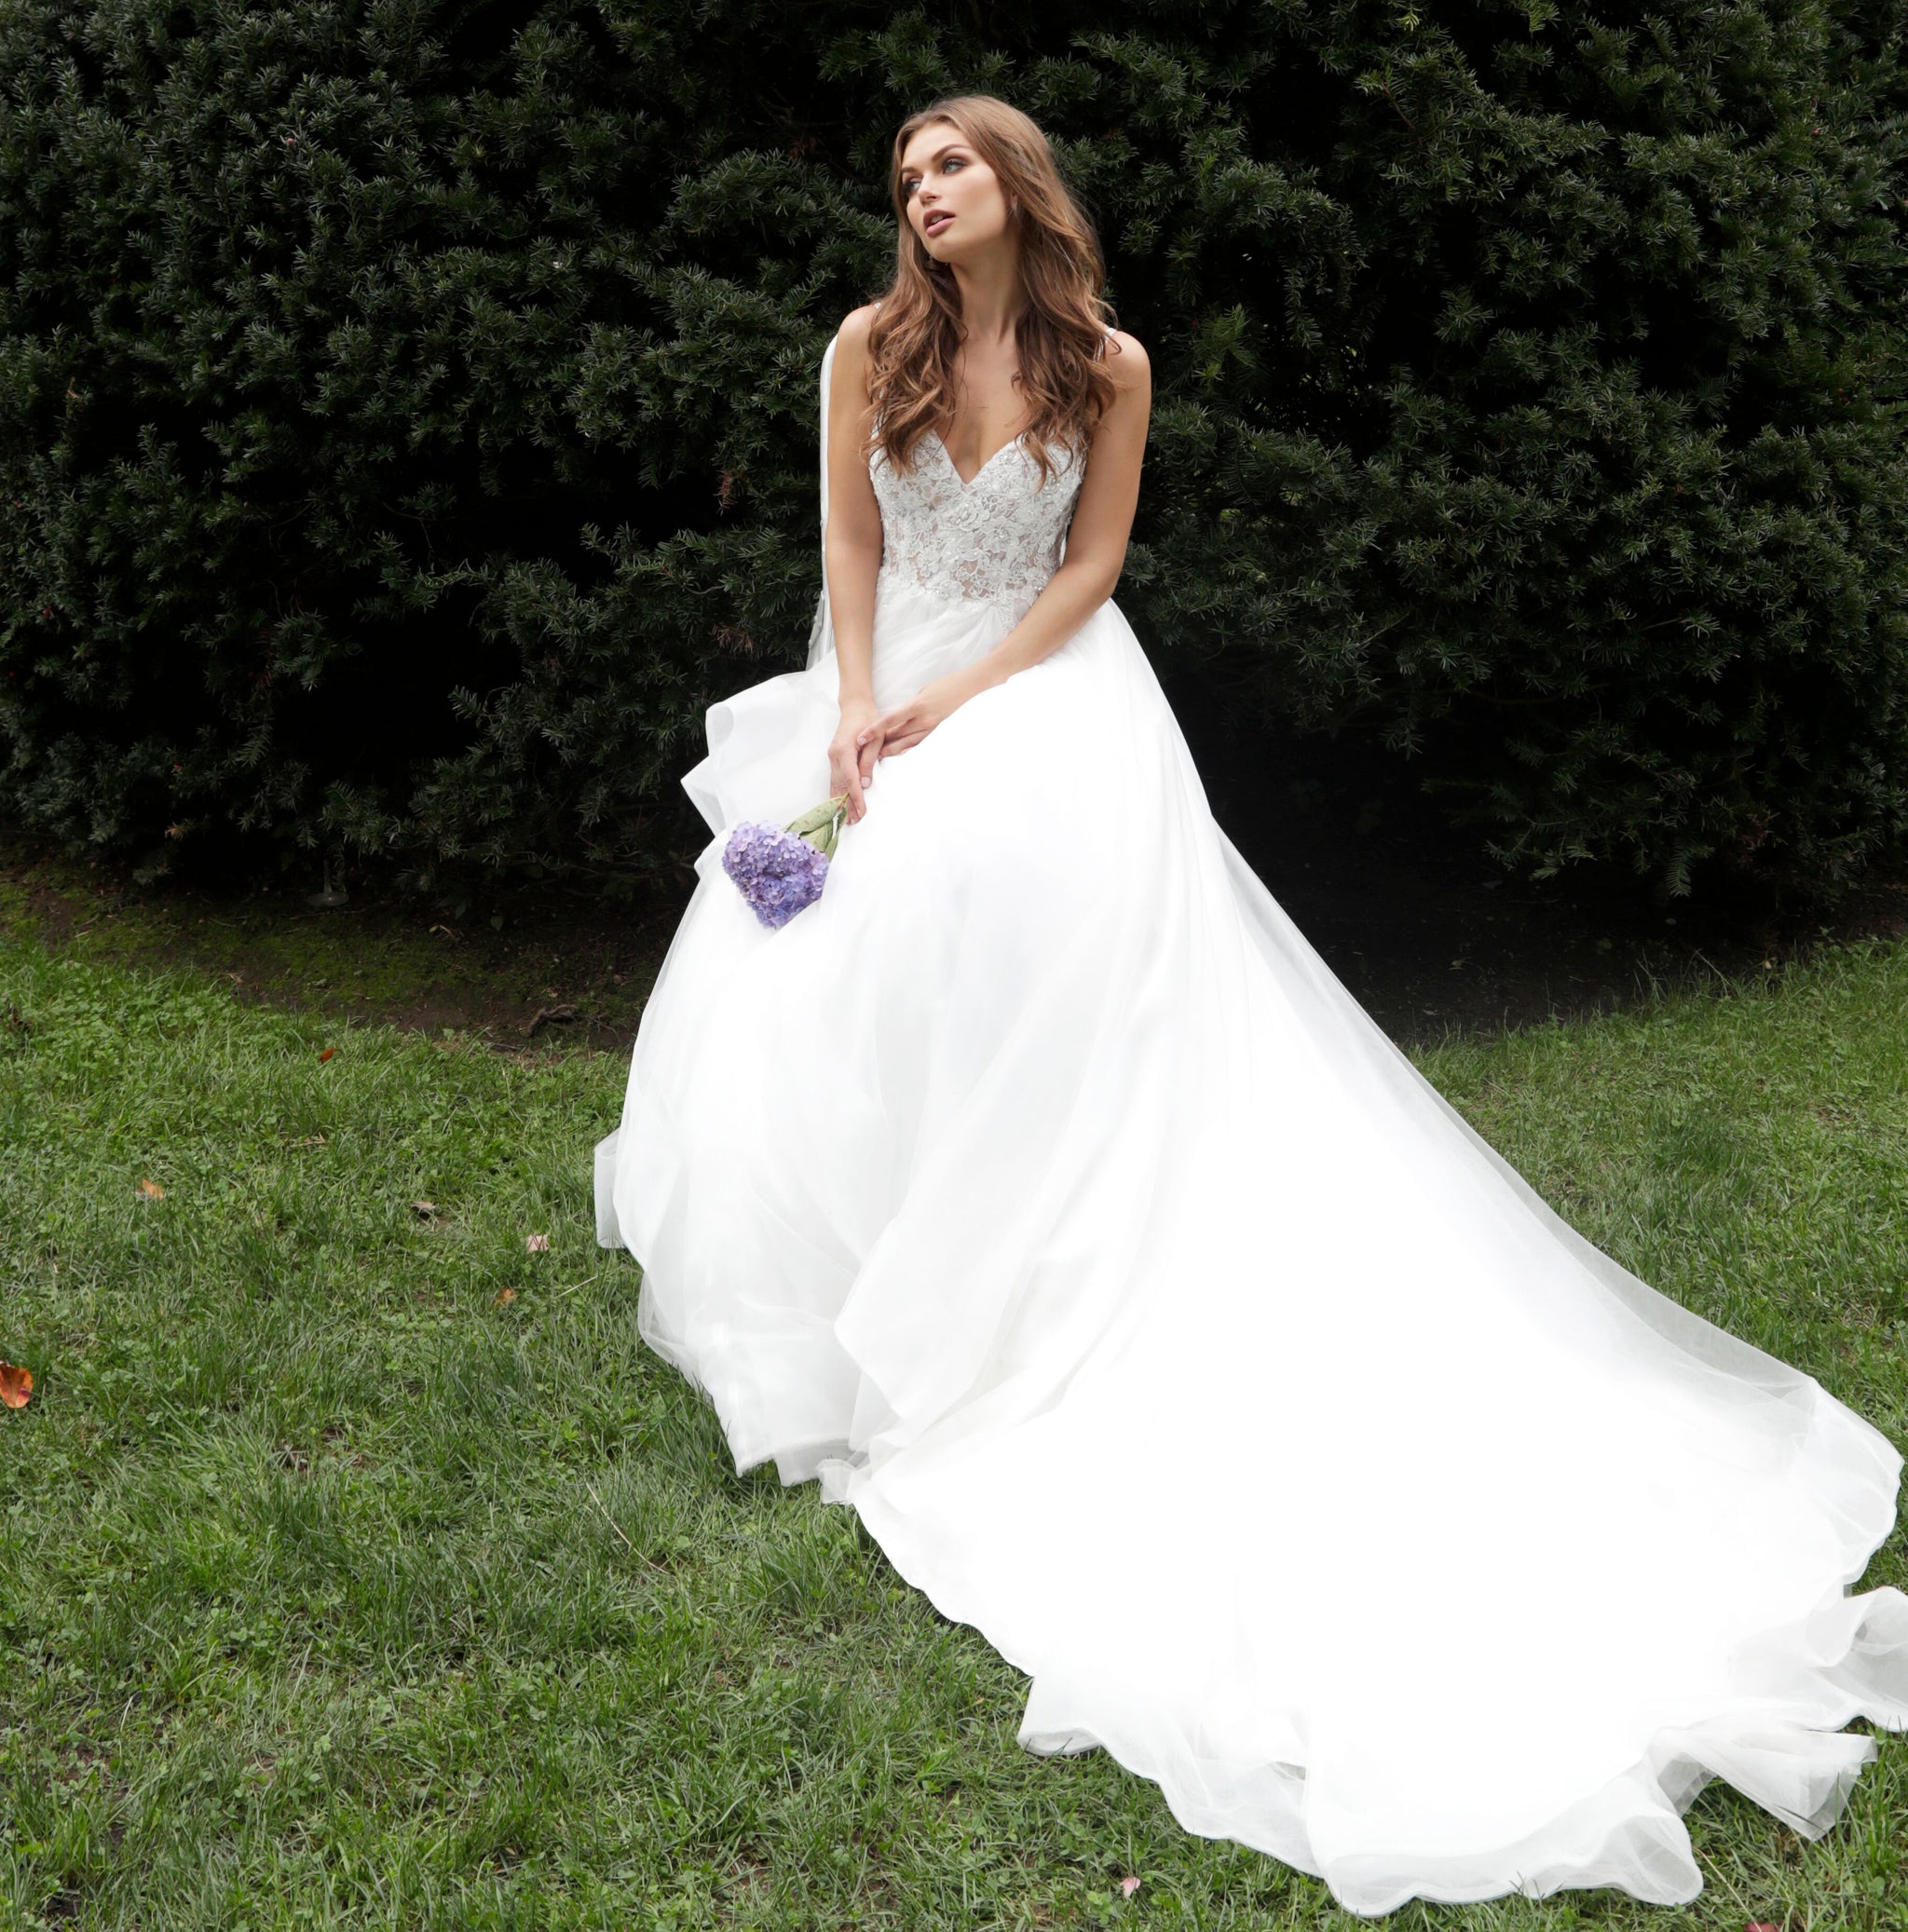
{"x":1040,"y":1189}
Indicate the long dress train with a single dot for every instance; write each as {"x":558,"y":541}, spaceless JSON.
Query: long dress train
{"x":1041,"y":1191}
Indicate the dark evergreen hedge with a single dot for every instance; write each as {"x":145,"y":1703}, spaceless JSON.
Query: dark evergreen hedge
{"x":406,"y":409}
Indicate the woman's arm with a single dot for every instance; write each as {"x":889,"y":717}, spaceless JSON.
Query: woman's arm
{"x":1095,"y":553}
{"x":851,"y":555}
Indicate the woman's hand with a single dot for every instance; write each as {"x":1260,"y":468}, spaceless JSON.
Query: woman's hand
{"x":850,"y":762}
{"x":904,"y":727}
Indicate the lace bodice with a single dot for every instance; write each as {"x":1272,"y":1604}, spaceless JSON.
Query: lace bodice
{"x":994,"y":540}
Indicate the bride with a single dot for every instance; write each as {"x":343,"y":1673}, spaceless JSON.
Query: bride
{"x":1040,"y":1189}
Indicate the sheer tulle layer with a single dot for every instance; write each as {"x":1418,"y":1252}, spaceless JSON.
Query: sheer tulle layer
{"x":1041,"y":1191}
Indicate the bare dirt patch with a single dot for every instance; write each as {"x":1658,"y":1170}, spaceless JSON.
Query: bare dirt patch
{"x":1428,"y":933}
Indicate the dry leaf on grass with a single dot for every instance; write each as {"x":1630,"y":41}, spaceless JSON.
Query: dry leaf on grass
{"x":504,"y":1297}
{"x":551,"y":1016}
{"x":150,"y":1191}
{"x":326,"y":1054}
{"x":16,"y":1386}
{"x":425,"y":1210}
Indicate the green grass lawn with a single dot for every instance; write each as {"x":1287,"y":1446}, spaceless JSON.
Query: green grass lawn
{"x":361,"y":1567}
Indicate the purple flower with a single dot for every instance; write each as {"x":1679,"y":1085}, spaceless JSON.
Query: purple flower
{"x":781,"y":870}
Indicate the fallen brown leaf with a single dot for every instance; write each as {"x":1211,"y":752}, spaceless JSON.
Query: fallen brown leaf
{"x":16,"y":1386}
{"x":551,"y":1016}
{"x":425,"y":1210}
{"x":326,"y":1054}
{"x":504,"y":1297}
{"x":150,"y":1191}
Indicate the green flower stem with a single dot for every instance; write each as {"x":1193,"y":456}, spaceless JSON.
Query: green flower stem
{"x":821,"y":825}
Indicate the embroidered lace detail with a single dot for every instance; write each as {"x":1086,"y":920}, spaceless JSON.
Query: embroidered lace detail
{"x":994,"y":540}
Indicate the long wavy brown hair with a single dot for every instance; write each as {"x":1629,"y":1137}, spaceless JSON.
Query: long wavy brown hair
{"x":1061,"y":335}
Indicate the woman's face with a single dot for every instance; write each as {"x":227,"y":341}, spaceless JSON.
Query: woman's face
{"x":954,"y":200}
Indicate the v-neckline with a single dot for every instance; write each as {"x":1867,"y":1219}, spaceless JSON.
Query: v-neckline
{"x":967,"y":483}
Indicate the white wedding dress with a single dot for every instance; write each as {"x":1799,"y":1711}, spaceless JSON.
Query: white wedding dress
{"x":1041,"y":1189}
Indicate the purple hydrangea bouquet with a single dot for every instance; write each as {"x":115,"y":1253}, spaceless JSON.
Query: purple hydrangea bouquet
{"x":781,"y":869}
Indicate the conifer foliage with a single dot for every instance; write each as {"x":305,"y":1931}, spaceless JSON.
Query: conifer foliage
{"x":407,"y":406}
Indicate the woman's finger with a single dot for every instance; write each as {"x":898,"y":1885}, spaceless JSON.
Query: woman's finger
{"x":867,"y":752}
{"x":844,"y":775}
{"x":849,"y":780}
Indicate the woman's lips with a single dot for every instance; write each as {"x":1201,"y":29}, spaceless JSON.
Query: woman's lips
{"x":935,"y":224}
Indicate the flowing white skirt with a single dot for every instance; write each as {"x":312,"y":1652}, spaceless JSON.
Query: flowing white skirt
{"x":1041,"y":1191}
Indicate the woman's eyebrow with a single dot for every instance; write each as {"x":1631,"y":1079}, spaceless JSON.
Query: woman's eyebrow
{"x":946,"y":147}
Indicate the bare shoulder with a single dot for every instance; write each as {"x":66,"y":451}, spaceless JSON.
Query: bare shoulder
{"x":1126,"y":361}
{"x":854,"y":332}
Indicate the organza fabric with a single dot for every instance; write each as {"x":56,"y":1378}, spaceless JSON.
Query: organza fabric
{"x":1042,"y":1192}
